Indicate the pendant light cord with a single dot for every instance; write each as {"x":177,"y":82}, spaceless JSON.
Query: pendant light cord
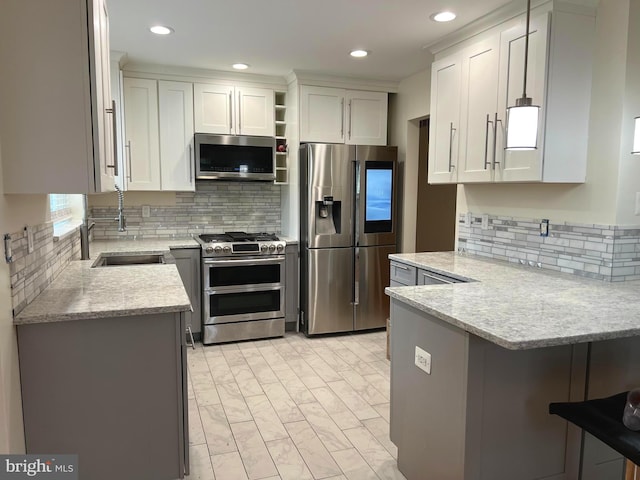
{"x":526,"y":51}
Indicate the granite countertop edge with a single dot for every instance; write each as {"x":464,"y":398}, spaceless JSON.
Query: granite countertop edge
{"x":482,"y":307}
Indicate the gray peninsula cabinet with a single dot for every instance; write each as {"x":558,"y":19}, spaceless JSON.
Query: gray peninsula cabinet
{"x":500,"y":349}
{"x":103,"y":370}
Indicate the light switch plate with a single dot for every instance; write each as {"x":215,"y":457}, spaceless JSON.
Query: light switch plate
{"x":423,"y":360}
{"x":146,"y":211}
{"x":485,"y":221}
{"x":467,"y":219}
{"x":544,"y":228}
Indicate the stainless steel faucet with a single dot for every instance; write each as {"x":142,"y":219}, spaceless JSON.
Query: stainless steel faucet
{"x":89,"y":222}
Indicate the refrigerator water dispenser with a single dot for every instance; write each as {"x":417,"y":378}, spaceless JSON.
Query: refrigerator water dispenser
{"x":328,"y":216}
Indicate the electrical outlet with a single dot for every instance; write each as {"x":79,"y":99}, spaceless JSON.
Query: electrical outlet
{"x":544,"y":227}
{"x":423,"y":360}
{"x":485,"y":221}
{"x":467,"y":219}
{"x":28,"y":230}
{"x":146,"y":211}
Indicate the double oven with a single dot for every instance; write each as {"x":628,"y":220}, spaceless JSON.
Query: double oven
{"x":243,"y":286}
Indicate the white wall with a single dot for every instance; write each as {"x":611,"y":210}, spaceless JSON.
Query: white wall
{"x":407,"y":107}
{"x":629,"y":177}
{"x":595,"y":200}
{"x":16,"y":211}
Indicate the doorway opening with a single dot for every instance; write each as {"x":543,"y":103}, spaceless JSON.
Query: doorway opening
{"x":436,"y":209}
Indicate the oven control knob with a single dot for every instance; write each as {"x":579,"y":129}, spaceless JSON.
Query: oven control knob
{"x":218,"y":249}
{"x":209,"y":250}
{"x":272,"y":248}
{"x":280,"y":247}
{"x":264,"y":248}
{"x":227,"y":249}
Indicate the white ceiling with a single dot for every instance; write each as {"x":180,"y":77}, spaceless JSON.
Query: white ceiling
{"x":277,"y":36}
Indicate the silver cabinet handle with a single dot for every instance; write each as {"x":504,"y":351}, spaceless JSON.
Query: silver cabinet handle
{"x":350,"y":113}
{"x":439,"y":279}
{"x":342,"y":122}
{"x":192,"y":344}
{"x":495,"y":138}
{"x":486,"y":142}
{"x":401,"y":267}
{"x":128,"y":147}
{"x":451,"y":132}
{"x":191,"y":161}
{"x":230,"y":113}
{"x":239,"y":115}
{"x":114,"y":126}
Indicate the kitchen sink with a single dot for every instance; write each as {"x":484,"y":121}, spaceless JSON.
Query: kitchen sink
{"x":115,"y":260}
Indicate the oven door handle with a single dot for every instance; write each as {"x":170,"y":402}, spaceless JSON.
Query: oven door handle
{"x":246,"y":261}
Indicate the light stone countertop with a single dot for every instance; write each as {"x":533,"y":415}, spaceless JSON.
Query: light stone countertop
{"x":81,"y":292}
{"x":520,"y":307}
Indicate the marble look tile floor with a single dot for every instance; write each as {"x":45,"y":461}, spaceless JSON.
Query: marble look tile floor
{"x":291,"y":408}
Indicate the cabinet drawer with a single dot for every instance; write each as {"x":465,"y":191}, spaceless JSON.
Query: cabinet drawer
{"x":427,"y":277}
{"x":404,"y":274}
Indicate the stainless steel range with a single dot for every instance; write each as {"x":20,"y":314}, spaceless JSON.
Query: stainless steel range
{"x":243,"y":286}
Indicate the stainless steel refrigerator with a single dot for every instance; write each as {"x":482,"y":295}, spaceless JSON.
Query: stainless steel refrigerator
{"x":347,"y":231}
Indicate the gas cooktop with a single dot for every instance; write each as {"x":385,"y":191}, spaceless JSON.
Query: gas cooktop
{"x":238,"y":237}
{"x":240,"y":243}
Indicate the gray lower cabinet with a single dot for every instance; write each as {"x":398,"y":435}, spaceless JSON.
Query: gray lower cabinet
{"x":483,"y":412}
{"x":189,"y":266}
{"x":111,"y":390}
{"x":292,"y":288}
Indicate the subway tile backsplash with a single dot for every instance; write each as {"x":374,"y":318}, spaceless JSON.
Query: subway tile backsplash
{"x":604,"y":252}
{"x":32,"y":272}
{"x":214,"y":207}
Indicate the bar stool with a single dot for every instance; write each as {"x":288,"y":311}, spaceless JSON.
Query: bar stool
{"x":602,"y":418}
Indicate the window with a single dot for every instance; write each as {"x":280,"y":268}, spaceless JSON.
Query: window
{"x":66,"y":212}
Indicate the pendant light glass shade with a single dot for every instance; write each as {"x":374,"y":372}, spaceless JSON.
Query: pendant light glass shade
{"x":636,"y":138}
{"x":522,"y":127}
{"x":522,"y":120}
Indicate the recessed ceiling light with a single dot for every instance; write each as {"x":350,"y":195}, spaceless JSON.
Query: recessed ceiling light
{"x":161,"y":30}
{"x":443,"y":16}
{"x":240,"y":66}
{"x":359,"y":53}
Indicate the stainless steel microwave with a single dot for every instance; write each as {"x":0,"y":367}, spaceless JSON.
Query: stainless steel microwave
{"x":234,"y":157}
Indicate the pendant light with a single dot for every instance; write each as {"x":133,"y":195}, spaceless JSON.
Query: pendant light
{"x":522,"y":120}
{"x":636,"y":138}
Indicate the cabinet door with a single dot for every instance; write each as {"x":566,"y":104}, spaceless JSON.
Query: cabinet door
{"x":141,"y":134}
{"x":366,"y":117}
{"x":255,"y":112}
{"x":104,"y":148}
{"x":523,"y":165}
{"x":478,"y":110}
{"x":176,"y":135}
{"x":213,"y":109}
{"x":322,"y":114}
{"x":445,"y":115}
{"x":188,"y":265}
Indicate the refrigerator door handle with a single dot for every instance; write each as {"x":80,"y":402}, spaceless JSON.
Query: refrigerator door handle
{"x":356,"y":276}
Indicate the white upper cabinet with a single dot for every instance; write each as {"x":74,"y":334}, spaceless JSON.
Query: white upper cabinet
{"x":142,"y":141}
{"x":490,"y":79}
{"x":560,"y":82}
{"x":366,"y":117}
{"x":256,"y":113}
{"x":56,"y":117}
{"x":159,"y":135}
{"x":176,"y":136}
{"x":445,"y":119}
{"x":479,"y":111}
{"x":234,"y":110}
{"x":334,"y":115}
